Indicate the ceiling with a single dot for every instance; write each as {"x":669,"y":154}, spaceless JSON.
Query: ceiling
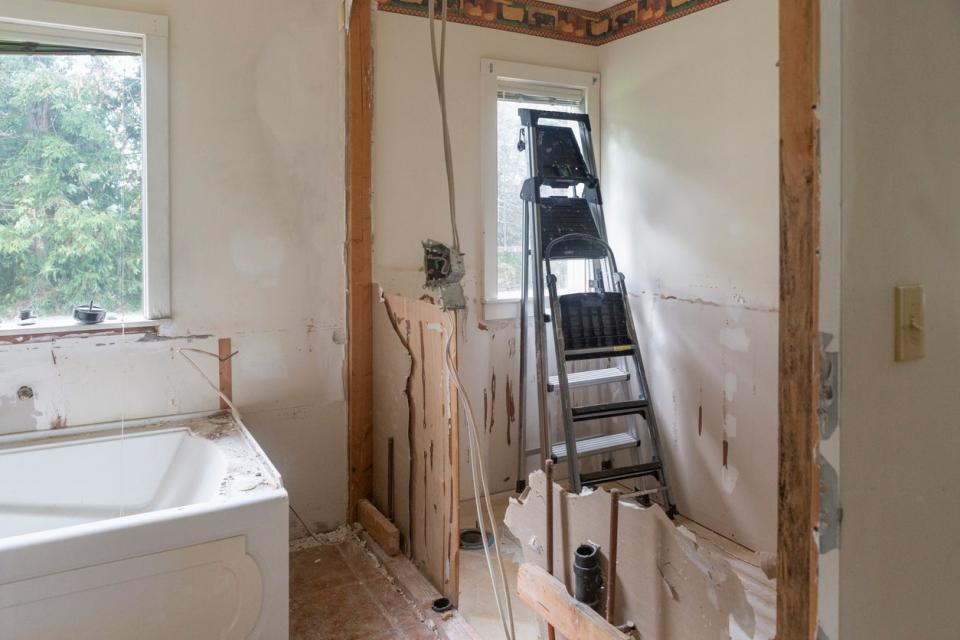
{"x":589,"y":5}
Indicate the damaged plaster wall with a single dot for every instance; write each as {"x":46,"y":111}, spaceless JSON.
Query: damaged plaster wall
{"x":410,"y":205}
{"x":698,"y":595}
{"x":690,"y":157}
{"x":257,"y":230}
{"x":899,"y":570}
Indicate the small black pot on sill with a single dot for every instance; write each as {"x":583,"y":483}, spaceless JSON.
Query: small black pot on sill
{"x":89,"y":313}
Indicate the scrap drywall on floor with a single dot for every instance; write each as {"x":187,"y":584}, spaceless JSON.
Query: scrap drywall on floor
{"x":668,"y":585}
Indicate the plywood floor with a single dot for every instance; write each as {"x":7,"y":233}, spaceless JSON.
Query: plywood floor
{"x":338,"y":592}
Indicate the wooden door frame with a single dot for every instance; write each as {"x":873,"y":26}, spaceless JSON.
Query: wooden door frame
{"x":799,"y":349}
{"x":799,"y":384}
{"x":359,"y":253}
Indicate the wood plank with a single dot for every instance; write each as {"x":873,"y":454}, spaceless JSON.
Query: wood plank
{"x":798,"y":508}
{"x":379,"y":527}
{"x":434,"y":478}
{"x":359,"y":255}
{"x":549,"y":599}
{"x":226,"y":371}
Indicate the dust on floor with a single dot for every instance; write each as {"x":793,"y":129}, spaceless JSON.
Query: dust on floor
{"x":338,"y":592}
{"x":476,"y":595}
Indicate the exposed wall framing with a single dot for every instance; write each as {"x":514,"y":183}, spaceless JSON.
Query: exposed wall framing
{"x":549,"y":20}
{"x":359,"y":255}
{"x":799,"y":386}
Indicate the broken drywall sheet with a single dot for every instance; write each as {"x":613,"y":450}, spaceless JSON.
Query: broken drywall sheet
{"x":430,"y":426}
{"x":668,"y":585}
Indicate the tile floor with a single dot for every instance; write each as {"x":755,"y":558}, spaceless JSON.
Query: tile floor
{"x":337,"y":591}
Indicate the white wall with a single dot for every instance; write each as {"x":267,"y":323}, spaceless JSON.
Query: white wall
{"x":257,"y":171}
{"x":410,"y":204}
{"x":690,"y":178}
{"x":899,"y":421}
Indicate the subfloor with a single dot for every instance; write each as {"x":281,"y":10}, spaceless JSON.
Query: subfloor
{"x":477,"y":603}
{"x":478,"y":607}
{"x":339,"y":592}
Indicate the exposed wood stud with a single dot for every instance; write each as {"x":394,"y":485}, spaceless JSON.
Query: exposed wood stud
{"x":548,"y":466}
{"x":359,"y":78}
{"x":799,"y":348}
{"x":612,"y":554}
{"x":226,"y":371}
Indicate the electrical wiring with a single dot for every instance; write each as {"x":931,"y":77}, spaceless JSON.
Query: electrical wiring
{"x":473,"y":441}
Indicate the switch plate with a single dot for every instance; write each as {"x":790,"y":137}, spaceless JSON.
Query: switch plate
{"x":910,"y":339}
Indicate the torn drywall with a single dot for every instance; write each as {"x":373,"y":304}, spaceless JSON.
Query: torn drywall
{"x":667,"y":584}
{"x":421,"y":411}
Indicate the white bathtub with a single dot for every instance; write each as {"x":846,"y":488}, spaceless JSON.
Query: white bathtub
{"x":166,"y":531}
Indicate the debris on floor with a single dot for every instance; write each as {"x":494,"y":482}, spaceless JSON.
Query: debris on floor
{"x":339,"y":591}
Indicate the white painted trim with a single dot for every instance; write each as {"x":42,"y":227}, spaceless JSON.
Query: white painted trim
{"x":151,"y":30}
{"x":156,"y":180}
{"x":83,"y":17}
{"x":492,"y":72}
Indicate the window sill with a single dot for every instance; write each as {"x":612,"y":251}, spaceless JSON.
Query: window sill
{"x":501,"y":309}
{"x":58,"y":327}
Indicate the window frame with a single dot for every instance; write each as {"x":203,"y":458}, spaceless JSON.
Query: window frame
{"x":492,"y":74}
{"x":63,"y":23}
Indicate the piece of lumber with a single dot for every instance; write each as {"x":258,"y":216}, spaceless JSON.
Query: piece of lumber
{"x":379,"y":527}
{"x":226,"y":372}
{"x":549,"y":599}
{"x":359,"y":250}
{"x":799,"y":384}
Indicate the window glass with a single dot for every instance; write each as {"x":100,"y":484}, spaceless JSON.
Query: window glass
{"x":512,"y":170}
{"x":71,"y":183}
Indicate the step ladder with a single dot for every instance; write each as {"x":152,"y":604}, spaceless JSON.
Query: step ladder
{"x":593,"y":327}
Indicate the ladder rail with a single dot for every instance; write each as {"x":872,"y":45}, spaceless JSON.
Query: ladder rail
{"x":522,"y":400}
{"x":539,"y":315}
{"x":570,"y":436}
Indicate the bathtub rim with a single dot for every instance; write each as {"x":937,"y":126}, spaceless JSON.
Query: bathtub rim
{"x":141,"y":427}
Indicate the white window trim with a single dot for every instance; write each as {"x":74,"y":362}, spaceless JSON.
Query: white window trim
{"x":111,"y":27}
{"x":492,"y":73}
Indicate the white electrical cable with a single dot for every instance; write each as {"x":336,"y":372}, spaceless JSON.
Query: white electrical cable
{"x":439,"y":65}
{"x":480,"y":481}
{"x":233,"y":411}
{"x":473,"y":441}
{"x":233,"y":408}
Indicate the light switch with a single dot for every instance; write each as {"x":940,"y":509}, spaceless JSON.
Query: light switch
{"x":910,"y":340}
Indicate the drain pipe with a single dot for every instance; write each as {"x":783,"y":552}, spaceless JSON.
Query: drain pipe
{"x":586,"y":574}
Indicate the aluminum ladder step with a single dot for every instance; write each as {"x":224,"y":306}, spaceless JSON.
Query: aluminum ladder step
{"x":596,"y":444}
{"x":610,"y":410}
{"x":581,"y":379}
{"x":622,"y":473}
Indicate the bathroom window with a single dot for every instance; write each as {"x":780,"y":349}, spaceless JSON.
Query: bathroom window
{"x":508,"y":87}
{"x":83,"y":165}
